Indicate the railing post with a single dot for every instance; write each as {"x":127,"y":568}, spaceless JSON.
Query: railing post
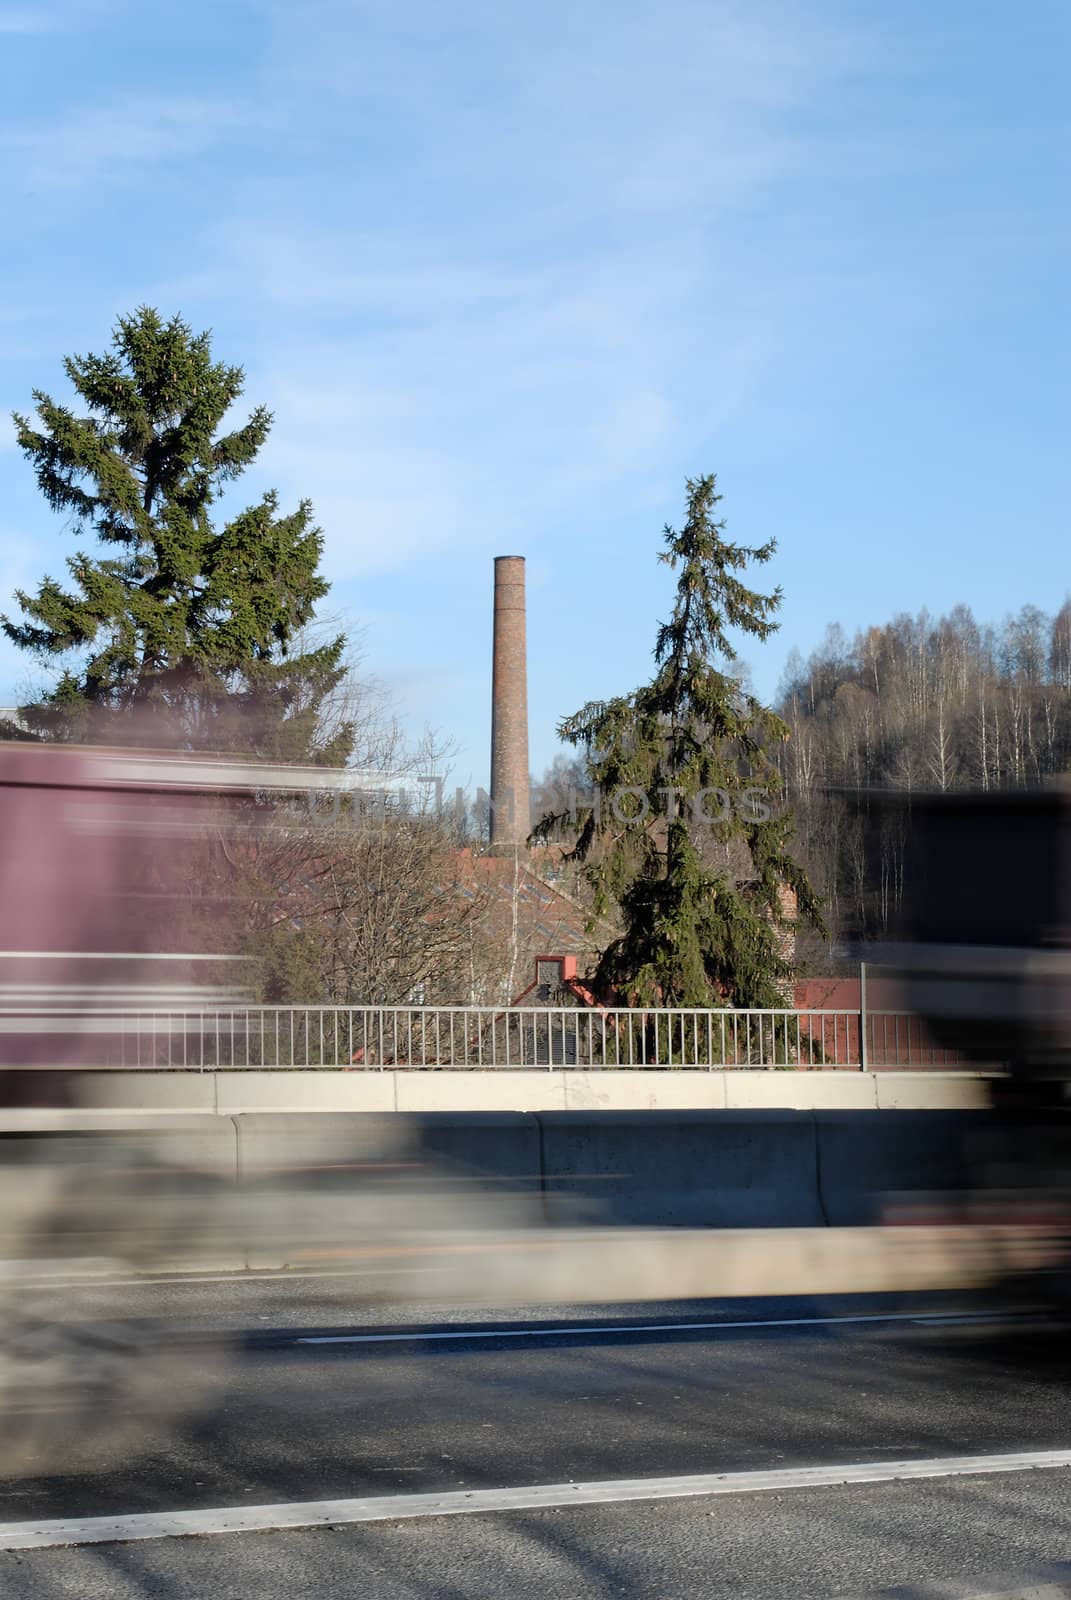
{"x":863,"y":1064}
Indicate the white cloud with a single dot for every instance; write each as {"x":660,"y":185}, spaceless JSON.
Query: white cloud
{"x":432,"y":395}
{"x":22,"y":22}
{"x":54,"y":16}
{"x":602,"y":109}
{"x":500,"y":284}
{"x":109,"y":142}
{"x":479,"y":401}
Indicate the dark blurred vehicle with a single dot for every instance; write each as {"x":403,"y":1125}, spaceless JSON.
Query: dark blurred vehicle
{"x":986,"y":930}
{"x":983,"y":956}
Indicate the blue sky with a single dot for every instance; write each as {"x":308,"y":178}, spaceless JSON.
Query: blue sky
{"x":507,"y":274}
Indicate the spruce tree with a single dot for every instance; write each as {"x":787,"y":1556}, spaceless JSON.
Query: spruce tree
{"x":174,"y":631}
{"x":687,"y":840}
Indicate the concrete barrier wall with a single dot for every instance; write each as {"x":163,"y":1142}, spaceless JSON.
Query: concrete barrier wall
{"x":688,"y":1168}
{"x":452,"y":1207}
{"x":863,"y":1161}
{"x":695,"y":1169}
{"x":237,"y":1093}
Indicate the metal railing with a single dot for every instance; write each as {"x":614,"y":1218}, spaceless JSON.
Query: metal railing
{"x":375,"y":1038}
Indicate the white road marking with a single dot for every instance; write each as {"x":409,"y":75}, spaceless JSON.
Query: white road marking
{"x":180,"y":1279}
{"x":415,"y":1336}
{"x":1047,"y":1591}
{"x":1026,"y":1590}
{"x":36,"y":1535}
{"x":953,"y":1320}
{"x":1022,"y":1591}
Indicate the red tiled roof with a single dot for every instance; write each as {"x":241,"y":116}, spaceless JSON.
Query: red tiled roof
{"x":547,"y":917}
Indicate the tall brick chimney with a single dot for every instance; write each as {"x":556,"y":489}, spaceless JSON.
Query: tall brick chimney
{"x":510,"y":817}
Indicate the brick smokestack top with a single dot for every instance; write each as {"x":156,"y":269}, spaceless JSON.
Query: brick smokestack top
{"x":510,"y":819}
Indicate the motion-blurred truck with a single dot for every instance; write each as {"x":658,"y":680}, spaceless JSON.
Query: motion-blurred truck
{"x":984,"y":958}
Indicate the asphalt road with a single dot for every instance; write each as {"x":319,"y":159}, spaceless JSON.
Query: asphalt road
{"x":415,"y":1402}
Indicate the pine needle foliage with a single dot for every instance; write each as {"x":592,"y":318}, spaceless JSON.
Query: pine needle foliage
{"x":172,"y":630}
{"x":687,"y":840}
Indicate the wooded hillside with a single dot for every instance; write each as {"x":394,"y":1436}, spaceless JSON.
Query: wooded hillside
{"x":917,"y":704}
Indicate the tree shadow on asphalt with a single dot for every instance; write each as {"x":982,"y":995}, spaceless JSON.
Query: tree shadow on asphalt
{"x":871,"y":1542}
{"x":347,"y":1424}
{"x":356,"y":1427}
